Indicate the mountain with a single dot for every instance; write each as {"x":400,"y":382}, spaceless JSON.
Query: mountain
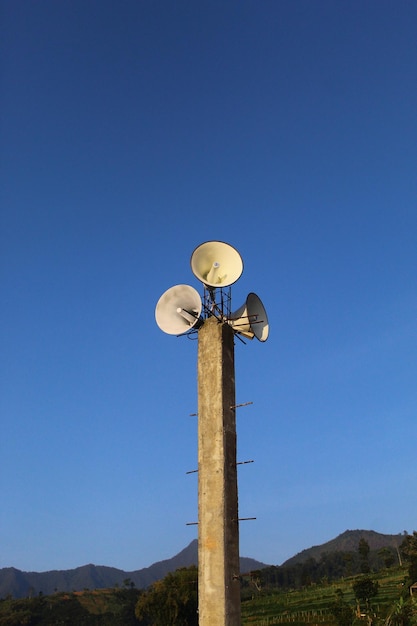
{"x":347,"y":542}
{"x":20,"y":584}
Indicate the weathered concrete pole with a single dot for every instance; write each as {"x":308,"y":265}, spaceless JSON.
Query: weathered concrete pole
{"x":218,"y":526}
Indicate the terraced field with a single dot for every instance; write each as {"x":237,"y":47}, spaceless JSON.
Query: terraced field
{"x":313,"y":604}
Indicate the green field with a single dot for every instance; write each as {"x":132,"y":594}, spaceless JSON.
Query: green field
{"x":312,"y":605}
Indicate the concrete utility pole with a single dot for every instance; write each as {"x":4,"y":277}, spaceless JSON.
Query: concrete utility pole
{"x":180,"y":310}
{"x":218,"y":525}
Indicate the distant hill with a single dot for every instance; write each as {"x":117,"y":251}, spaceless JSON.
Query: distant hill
{"x":25,"y":584}
{"x":20,"y":584}
{"x":347,"y":542}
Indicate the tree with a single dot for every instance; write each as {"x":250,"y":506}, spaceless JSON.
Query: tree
{"x":387,"y":556}
{"x":408,"y":549}
{"x":172,"y":600}
{"x":128,"y":583}
{"x":363,"y":549}
{"x":341,"y":610}
{"x":365,"y":589}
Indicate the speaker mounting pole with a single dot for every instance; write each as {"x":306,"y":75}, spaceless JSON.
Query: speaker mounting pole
{"x":218,"y":527}
{"x":217,"y":265}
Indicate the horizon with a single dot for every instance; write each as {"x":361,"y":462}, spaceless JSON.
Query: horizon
{"x":242,"y":556}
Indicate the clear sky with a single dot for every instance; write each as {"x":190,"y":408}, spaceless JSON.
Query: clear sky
{"x":133,"y":131}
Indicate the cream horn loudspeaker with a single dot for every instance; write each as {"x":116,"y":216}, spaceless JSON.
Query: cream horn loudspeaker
{"x":178,"y":310}
{"x":251,"y":319}
{"x":216,"y":264}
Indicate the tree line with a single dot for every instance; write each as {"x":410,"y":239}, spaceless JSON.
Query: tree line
{"x":330,"y":566}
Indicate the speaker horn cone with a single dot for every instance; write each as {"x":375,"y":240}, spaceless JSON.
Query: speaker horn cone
{"x":216,"y":264}
{"x":251,"y":320}
{"x":178,"y":310}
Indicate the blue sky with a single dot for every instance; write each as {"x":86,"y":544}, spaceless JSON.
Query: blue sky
{"x":133,"y":131}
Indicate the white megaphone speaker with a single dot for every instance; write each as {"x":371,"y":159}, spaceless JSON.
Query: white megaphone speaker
{"x":251,"y":319}
{"x":178,"y":310}
{"x":216,"y":264}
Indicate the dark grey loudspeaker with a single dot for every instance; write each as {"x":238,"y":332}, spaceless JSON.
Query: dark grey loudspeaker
{"x":251,"y":319}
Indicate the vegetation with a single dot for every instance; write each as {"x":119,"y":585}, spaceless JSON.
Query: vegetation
{"x":173,"y":600}
{"x":104,"y":607}
{"x":335,"y":603}
{"x":363,"y":550}
{"x":325,"y":592}
{"x":409,"y":551}
{"x":330,"y":566}
{"x":338,"y":589}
